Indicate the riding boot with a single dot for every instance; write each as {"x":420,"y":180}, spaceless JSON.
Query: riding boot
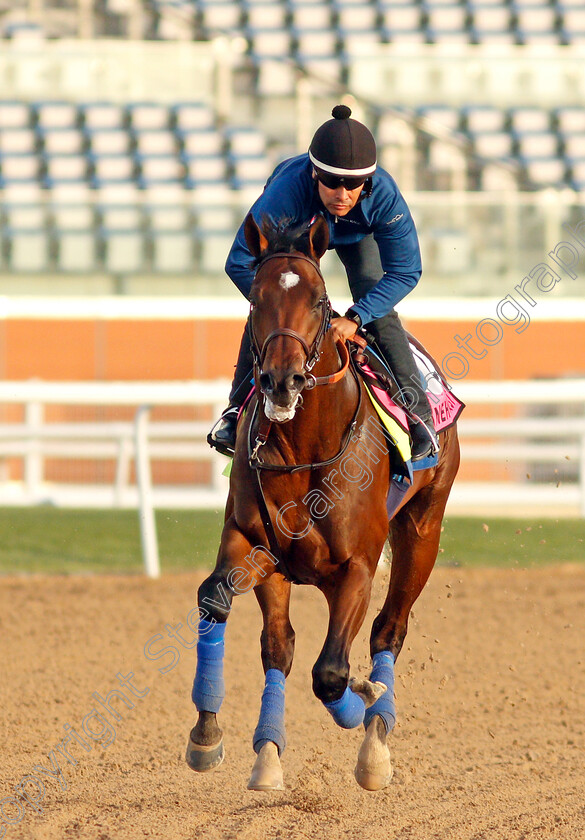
{"x":393,"y":344}
{"x":223,"y":435}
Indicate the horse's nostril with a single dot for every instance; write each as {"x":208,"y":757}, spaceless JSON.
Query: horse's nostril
{"x":298,"y":381}
{"x":266,"y":382}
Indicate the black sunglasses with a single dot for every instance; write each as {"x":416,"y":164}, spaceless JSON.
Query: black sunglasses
{"x":333,"y":182}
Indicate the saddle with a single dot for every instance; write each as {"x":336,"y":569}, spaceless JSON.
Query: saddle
{"x":383,"y":391}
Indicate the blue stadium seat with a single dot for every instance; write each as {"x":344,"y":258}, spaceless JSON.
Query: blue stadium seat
{"x":220,"y":15}
{"x":542,"y":144}
{"x":243,"y":140}
{"x":545,"y":172}
{"x":53,"y":115}
{"x":172,"y":251}
{"x":445,"y":17}
{"x":17,"y":141}
{"x":112,"y":168}
{"x":28,"y":249}
{"x":493,"y":144}
{"x":205,"y":142}
{"x":61,"y":141}
{"x":193,"y":116}
{"x":64,"y":168}
{"x":204,"y":169}
{"x":147,"y":116}
{"x":311,"y":15}
{"x":269,"y":43}
{"x":315,"y":43}
{"x":101,"y":116}
{"x":525,"y":119}
{"x":574,"y":146}
{"x":156,"y":169}
{"x":76,"y":250}
{"x":265,"y":14}
{"x":572,"y":22}
{"x":108,"y":141}
{"x":19,"y":167}
{"x":443,"y":114}
{"x":161,"y":141}
{"x":570,"y":120}
{"x":250,"y":171}
{"x":356,"y":17}
{"x":403,"y":18}
{"x":577,"y":175}
{"x":481,"y":118}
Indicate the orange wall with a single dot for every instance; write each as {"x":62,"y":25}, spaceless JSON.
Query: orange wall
{"x":119,"y":349}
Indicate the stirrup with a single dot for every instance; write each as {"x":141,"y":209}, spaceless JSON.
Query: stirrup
{"x":431,"y":437}
{"x":226,"y":446}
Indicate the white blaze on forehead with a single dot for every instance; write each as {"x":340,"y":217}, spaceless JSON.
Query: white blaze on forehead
{"x":288,"y":279}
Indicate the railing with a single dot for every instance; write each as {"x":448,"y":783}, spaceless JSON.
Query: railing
{"x":506,"y":436}
{"x":513,"y":434}
{"x":34,"y":440}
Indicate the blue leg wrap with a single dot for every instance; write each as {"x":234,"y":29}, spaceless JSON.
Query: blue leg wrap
{"x":348,"y":711}
{"x":208,"y":686}
{"x":383,"y":671}
{"x":271,"y":721}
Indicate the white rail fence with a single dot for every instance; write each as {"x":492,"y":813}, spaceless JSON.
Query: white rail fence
{"x":507,"y":436}
{"x":34,"y":440}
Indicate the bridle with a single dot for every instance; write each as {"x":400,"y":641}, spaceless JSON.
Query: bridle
{"x":312,"y":352}
{"x":262,"y":425}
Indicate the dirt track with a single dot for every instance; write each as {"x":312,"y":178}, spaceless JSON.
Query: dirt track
{"x":489,"y":745}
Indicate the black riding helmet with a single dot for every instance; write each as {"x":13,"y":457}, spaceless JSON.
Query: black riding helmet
{"x":343,"y":152}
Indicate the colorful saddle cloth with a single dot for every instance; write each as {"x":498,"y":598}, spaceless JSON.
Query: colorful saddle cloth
{"x":446,"y":408}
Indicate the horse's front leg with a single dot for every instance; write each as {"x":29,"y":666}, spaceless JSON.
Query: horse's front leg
{"x":277,"y":643}
{"x":239,"y":567}
{"x":348,"y":595}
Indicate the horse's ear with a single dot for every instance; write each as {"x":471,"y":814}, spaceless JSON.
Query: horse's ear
{"x":255,"y":239}
{"x":319,"y":237}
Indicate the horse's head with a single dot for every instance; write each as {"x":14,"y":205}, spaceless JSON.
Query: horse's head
{"x":290,"y":310}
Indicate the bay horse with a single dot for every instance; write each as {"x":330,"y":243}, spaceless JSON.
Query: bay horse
{"x":307,"y":504}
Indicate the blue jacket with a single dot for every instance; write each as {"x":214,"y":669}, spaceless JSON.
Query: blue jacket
{"x":291,"y":193}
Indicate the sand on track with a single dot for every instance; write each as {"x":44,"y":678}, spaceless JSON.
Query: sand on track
{"x":489,"y":744}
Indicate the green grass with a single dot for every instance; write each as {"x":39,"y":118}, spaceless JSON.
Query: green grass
{"x":54,"y":540}
{"x":57,"y":541}
{"x":511,"y":542}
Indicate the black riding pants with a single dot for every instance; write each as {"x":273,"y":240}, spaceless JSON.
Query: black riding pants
{"x":364,"y":269}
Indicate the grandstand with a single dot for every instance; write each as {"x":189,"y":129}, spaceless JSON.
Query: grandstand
{"x":134,"y":135}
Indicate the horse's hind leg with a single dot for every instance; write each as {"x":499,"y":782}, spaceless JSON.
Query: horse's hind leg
{"x":277,"y":644}
{"x":414,"y":536}
{"x":348,"y":595}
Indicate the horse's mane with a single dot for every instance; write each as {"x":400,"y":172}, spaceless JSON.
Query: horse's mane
{"x":283,"y":238}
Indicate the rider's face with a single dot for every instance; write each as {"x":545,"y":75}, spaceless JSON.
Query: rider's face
{"x":340,"y":200}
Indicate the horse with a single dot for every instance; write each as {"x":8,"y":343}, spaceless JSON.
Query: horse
{"x":307,"y":505}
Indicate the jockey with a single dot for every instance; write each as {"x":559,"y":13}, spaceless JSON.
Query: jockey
{"x":372,"y":231}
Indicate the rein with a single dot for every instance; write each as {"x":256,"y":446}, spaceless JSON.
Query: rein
{"x":256,"y":464}
{"x":264,"y":425}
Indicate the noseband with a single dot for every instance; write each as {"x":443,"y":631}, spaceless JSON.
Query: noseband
{"x":311,"y":352}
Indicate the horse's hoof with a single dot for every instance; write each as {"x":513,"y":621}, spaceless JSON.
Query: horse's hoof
{"x":366,"y":689}
{"x":201,"y":758}
{"x":373,"y":770}
{"x":267,"y":772}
